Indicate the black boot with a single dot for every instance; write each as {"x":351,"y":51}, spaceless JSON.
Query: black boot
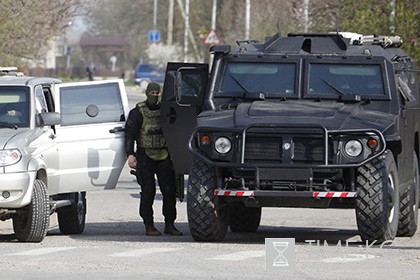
{"x":152,"y":231}
{"x":171,"y":230}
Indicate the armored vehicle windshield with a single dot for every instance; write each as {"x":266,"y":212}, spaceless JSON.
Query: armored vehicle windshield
{"x":319,"y":80}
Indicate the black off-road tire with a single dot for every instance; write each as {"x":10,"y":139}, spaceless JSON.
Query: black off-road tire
{"x":72,"y":219}
{"x":207,"y":215}
{"x":31,"y":224}
{"x":244,"y":219}
{"x":377,"y":203}
{"x":409,"y":205}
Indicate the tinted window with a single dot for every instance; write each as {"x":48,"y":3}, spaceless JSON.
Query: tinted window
{"x":91,"y":104}
{"x":191,"y":84}
{"x":14,"y":106}
{"x":345,"y":79}
{"x":259,"y":78}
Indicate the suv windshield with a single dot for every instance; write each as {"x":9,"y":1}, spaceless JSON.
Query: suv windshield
{"x":268,"y":78}
{"x":14,"y":106}
{"x":345,"y":79}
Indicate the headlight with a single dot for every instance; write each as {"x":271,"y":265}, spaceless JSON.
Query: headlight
{"x":9,"y":157}
{"x":222,"y":145}
{"x":353,"y":148}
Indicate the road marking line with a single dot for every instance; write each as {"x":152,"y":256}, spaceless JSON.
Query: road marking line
{"x":142,"y":252}
{"x":239,"y":256}
{"x":39,"y":252}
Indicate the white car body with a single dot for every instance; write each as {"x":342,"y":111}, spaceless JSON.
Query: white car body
{"x":72,"y":139}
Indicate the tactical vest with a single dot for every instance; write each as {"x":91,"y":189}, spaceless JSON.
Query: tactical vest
{"x":151,"y":135}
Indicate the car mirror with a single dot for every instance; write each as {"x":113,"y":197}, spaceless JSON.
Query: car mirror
{"x":48,"y":118}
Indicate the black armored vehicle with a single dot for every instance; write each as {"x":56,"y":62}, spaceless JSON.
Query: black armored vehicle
{"x":307,"y":120}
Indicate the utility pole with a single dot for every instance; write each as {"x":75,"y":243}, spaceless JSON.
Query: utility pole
{"x":187,"y":27}
{"x":170,"y":22}
{"x":392,"y":17}
{"x":213,"y":27}
{"x":154,"y":14}
{"x":247,"y":18}
{"x":213,"y":15}
{"x":306,"y":15}
{"x":190,"y":34}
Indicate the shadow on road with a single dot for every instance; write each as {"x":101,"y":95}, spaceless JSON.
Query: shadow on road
{"x":133,"y":231}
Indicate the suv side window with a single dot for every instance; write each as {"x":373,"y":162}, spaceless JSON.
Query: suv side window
{"x":49,"y":99}
{"x":90,"y":104}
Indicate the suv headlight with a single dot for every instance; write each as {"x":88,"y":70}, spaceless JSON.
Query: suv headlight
{"x":222,"y":145}
{"x":353,"y":148}
{"x":9,"y":157}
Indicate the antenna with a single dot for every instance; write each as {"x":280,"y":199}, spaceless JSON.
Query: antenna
{"x":337,"y":25}
{"x":279,"y":25}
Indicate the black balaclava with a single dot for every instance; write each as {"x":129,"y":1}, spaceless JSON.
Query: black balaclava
{"x":152,"y":100}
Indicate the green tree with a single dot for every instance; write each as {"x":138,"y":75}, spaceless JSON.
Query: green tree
{"x":27,"y":26}
{"x":407,"y":25}
{"x":133,"y":19}
{"x":370,"y":17}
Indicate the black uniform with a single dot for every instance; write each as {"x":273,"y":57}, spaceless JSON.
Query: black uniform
{"x":147,"y":168}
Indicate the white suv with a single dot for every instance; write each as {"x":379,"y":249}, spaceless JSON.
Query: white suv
{"x":57,"y":141}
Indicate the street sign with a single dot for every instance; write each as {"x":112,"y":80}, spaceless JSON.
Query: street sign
{"x":154,"y":35}
{"x":212,"y":38}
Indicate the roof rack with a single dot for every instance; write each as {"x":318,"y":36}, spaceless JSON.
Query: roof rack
{"x":10,"y":71}
{"x":383,"y":41}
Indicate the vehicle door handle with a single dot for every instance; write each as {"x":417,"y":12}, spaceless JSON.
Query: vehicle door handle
{"x":116,"y":129}
{"x":171,"y":115}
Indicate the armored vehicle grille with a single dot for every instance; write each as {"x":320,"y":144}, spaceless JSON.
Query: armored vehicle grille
{"x":284,"y":149}
{"x":308,"y":150}
{"x":263,"y":149}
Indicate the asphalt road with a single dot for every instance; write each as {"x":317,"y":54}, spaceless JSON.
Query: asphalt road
{"x":114,"y":246}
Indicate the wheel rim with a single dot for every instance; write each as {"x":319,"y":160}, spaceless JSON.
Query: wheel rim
{"x":391,"y":205}
{"x":80,"y":206}
{"x":416,"y":194}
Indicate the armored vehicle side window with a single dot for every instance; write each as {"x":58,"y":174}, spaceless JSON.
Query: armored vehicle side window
{"x":259,"y":78}
{"x":191,"y":84}
{"x":346,"y":79}
{"x":91,"y":104}
{"x":14,"y":106}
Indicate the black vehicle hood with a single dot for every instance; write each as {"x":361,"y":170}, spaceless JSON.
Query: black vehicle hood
{"x":330,"y":114}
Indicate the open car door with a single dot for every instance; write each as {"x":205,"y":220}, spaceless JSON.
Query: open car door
{"x":90,"y":138}
{"x":182,"y":100}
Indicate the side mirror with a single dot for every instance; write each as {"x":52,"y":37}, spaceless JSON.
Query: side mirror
{"x":48,"y":119}
{"x":405,"y":89}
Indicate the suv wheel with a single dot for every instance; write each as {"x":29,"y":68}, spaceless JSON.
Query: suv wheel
{"x":377,"y":203}
{"x":207,"y":215}
{"x":244,"y":219}
{"x":32,"y":222}
{"x":72,"y":219}
{"x":409,"y":205}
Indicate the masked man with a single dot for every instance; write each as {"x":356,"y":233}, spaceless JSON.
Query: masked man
{"x":151,"y":158}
